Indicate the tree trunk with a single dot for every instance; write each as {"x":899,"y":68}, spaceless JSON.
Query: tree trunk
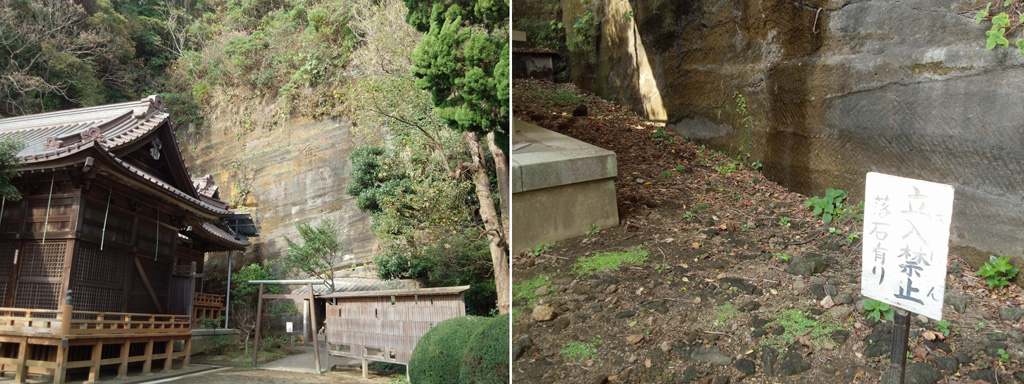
{"x":495,"y":233}
{"x":504,"y":196}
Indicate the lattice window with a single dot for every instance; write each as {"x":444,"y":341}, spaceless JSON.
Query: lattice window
{"x":6,"y":259}
{"x":99,"y":299}
{"x":105,"y":267}
{"x":91,"y":268}
{"x":43,"y":260}
{"x":37,"y":295}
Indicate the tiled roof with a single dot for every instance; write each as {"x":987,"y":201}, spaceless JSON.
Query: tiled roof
{"x":172,"y":189}
{"x":342,"y":284}
{"x":213,"y":230}
{"x":55,"y":134}
{"x":205,"y":186}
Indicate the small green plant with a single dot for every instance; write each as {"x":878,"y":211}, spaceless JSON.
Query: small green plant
{"x":796,"y":323}
{"x":594,"y":230}
{"x":756,"y":165}
{"x":784,"y":221}
{"x":610,"y":261}
{"x":537,"y":251}
{"x":1003,"y":356}
{"x":874,"y":309}
{"x":997,"y":271}
{"x":659,"y":133}
{"x":782,"y":256}
{"x":701,"y":207}
{"x":666,"y":174}
{"x":689,"y":215}
{"x":730,"y":167}
{"x":680,"y":168}
{"x":977,"y":327}
{"x":853,"y":236}
{"x":828,"y":207}
{"x":577,"y":351}
{"x":724,"y":314}
{"x":835,"y":231}
{"x":943,"y":327}
{"x":662,"y":268}
{"x":525,"y":290}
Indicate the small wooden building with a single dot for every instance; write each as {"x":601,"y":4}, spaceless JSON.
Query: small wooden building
{"x":386,"y":325}
{"x":98,"y":260}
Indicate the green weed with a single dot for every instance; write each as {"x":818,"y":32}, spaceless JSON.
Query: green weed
{"x":796,"y":323}
{"x":724,"y":314}
{"x":524,"y":290}
{"x":874,"y":309}
{"x":828,"y":207}
{"x":943,"y":327}
{"x":610,"y":261}
{"x":594,"y":230}
{"x":578,"y":351}
{"x":785,"y":221}
{"x":997,"y":271}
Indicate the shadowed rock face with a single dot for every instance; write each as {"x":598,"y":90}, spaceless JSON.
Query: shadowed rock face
{"x":834,"y":89}
{"x":295,"y":173}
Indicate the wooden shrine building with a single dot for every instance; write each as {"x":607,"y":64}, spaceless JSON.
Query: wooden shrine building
{"x":98,"y":259}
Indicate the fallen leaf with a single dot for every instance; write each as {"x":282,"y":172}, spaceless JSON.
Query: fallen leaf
{"x":858,"y":374}
{"x":647,"y":362}
{"x":634,"y":339}
{"x":695,"y":245}
{"x":723,"y":227}
{"x":921,"y":351}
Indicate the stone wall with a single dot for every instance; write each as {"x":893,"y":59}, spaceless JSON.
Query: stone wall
{"x":835,"y":89}
{"x":295,"y":172}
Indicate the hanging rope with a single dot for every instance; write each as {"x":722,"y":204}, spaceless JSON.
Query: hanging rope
{"x":156,"y":247}
{"x":103,"y":236}
{"x":46,"y":223}
{"x":2,"y":204}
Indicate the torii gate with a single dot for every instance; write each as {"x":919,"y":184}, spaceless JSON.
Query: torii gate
{"x":312,"y":313}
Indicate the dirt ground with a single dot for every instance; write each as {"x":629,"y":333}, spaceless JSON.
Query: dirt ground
{"x":240,"y":375}
{"x":734,"y":280}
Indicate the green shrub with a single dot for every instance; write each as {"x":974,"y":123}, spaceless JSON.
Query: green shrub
{"x":438,"y":356}
{"x":486,"y":360}
{"x":828,"y":207}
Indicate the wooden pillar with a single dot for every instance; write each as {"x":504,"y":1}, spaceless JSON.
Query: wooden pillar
{"x":147,"y":366}
{"x":122,"y":370}
{"x":364,"y":368}
{"x":259,"y":318}
{"x":62,"y":361}
{"x":97,"y":355}
{"x":188,"y":352}
{"x":316,"y":336}
{"x":19,"y":372}
{"x":170,"y":353}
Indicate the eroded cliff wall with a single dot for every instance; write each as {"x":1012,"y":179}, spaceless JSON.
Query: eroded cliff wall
{"x":834,"y":88}
{"x":291,"y":173}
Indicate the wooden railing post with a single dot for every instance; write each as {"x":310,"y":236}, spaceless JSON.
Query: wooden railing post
{"x":62,"y":350}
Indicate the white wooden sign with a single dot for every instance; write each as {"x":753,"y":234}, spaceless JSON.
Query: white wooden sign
{"x":288,"y":327}
{"x":906,"y":235}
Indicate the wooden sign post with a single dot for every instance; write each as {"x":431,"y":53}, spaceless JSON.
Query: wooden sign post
{"x":905,"y":249}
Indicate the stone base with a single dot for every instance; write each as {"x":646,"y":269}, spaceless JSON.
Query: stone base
{"x":553,"y":214}
{"x":560,"y":187}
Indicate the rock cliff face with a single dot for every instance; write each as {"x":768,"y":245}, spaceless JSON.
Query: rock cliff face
{"x":293,"y":173}
{"x":834,"y":89}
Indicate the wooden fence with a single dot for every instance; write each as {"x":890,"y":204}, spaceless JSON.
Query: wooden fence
{"x":49,"y":342}
{"x":386,"y":325}
{"x":207,"y":305}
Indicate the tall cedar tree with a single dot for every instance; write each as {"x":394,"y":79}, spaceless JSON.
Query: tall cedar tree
{"x":463,"y":61}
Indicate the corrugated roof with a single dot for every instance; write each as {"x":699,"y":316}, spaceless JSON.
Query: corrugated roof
{"x":400,"y":292}
{"x":342,"y":284}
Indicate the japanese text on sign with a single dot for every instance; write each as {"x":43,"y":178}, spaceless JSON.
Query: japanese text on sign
{"x":906,"y":234}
